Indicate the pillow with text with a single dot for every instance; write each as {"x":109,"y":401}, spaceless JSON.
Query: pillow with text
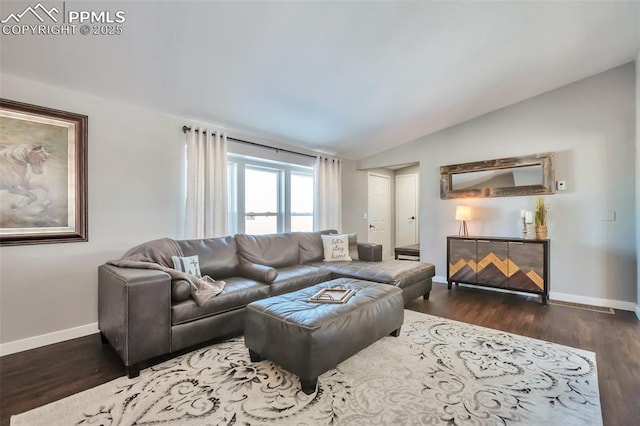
{"x":336,"y":248}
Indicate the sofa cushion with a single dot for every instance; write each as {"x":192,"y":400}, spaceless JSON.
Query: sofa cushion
{"x":310,"y":247}
{"x":353,"y":246}
{"x":217,"y":256}
{"x":275,"y":250}
{"x":237,"y":293}
{"x":298,"y":276}
{"x":312,"y":250}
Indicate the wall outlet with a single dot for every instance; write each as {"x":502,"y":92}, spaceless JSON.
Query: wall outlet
{"x":561,"y":185}
{"x":365,"y":216}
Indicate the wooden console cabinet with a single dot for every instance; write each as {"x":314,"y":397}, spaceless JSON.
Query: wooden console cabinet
{"x":509,"y":263}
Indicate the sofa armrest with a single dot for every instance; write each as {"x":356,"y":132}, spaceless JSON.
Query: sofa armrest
{"x":134,"y":311}
{"x":254,"y":271}
{"x":370,"y":252}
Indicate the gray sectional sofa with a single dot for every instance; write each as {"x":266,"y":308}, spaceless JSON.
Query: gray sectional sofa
{"x":143,"y":313}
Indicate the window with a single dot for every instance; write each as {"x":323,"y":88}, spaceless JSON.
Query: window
{"x":267,"y":197}
{"x":262,"y":200}
{"x":301,"y":202}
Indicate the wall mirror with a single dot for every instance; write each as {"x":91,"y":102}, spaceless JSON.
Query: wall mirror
{"x":504,"y":177}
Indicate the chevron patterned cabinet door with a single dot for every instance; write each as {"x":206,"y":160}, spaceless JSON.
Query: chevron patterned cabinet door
{"x":492,"y":262}
{"x":526,"y":266}
{"x":462,"y":260}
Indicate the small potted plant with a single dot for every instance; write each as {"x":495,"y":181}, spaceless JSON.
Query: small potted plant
{"x":541,"y":219}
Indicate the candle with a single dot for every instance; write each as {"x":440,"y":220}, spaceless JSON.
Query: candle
{"x":529,"y":216}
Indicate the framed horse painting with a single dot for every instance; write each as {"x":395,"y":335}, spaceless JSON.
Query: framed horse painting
{"x":43,"y":175}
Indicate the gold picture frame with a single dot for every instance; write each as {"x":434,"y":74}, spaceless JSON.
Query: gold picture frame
{"x":43,"y":175}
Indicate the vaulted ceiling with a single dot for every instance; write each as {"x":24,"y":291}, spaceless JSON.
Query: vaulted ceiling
{"x":350,"y":78}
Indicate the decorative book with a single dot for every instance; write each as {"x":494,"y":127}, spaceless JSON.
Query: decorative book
{"x":332,"y":295}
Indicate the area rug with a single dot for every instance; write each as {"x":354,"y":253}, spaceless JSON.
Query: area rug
{"x":436,"y":372}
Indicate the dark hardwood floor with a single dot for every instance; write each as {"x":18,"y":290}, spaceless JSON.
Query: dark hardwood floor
{"x":34,"y":378}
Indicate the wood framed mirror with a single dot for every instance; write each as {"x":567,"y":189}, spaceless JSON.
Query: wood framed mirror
{"x":504,"y":177}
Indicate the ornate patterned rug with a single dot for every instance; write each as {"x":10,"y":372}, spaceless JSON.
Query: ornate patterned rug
{"x":437,"y":372}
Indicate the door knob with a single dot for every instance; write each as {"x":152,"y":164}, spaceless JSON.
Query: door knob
{"x":412,"y":218}
{"x":371,"y":226}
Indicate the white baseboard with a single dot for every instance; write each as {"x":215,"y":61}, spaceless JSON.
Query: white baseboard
{"x":47,"y":339}
{"x":594,"y":301}
{"x":573,"y":298}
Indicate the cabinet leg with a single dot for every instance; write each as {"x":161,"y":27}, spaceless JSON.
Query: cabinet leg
{"x":395,"y":333}
{"x":544,"y":299}
{"x":448,"y":285}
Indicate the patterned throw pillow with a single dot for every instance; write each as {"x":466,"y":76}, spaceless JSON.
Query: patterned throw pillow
{"x":336,"y":248}
{"x":189,"y":265}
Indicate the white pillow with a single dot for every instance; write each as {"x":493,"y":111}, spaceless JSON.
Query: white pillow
{"x":336,"y":248}
{"x":189,"y":265}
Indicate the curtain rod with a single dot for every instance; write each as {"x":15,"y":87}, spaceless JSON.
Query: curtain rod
{"x":186,"y":129}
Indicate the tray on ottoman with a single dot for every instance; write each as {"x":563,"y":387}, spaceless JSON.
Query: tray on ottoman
{"x":308,"y":338}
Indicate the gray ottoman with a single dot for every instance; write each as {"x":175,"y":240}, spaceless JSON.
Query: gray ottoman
{"x":308,"y":338}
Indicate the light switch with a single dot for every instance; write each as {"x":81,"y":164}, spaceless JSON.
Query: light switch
{"x":364,"y":216}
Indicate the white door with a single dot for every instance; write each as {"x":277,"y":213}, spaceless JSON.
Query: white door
{"x":379,"y":212}
{"x":406,"y":210}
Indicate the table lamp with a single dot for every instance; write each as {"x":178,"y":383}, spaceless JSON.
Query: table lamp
{"x":463,"y":214}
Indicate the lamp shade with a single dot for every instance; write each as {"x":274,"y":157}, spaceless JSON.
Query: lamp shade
{"x":463,"y":213}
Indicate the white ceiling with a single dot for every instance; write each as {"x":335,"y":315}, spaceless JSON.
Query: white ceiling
{"x":351,"y":78}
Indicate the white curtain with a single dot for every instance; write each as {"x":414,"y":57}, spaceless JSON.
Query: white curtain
{"x":206,"y":209}
{"x":328,"y":194}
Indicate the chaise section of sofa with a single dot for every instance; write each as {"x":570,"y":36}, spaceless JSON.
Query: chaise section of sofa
{"x":414,"y":278}
{"x":143,"y":313}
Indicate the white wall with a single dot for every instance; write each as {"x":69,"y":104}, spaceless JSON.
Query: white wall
{"x":590,"y":127}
